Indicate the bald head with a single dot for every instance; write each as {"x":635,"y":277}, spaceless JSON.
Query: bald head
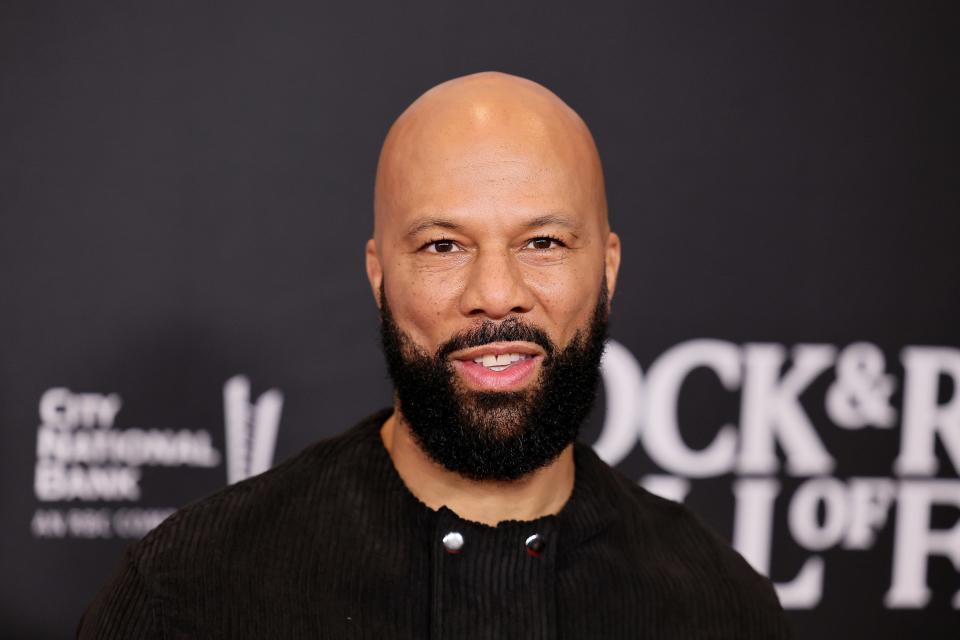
{"x":490,"y":204}
{"x":488,"y":130}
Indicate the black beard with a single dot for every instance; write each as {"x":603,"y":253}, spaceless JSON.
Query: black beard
{"x":495,"y":435}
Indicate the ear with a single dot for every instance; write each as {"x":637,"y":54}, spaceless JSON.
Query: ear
{"x":612,"y":263}
{"x":374,"y":269}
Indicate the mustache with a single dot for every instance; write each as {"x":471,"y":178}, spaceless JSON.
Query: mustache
{"x":510,"y":330}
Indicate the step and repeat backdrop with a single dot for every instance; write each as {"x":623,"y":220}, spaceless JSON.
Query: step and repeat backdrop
{"x":186,"y":193}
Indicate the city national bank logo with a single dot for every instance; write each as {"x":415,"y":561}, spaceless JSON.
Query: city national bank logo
{"x":89,"y":470}
{"x":81,"y":455}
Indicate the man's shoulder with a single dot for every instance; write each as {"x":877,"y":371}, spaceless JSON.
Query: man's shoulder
{"x":644,"y":513}
{"x":276,"y":502}
{"x":683,"y":538}
{"x":671,"y":528}
{"x":692,"y":563}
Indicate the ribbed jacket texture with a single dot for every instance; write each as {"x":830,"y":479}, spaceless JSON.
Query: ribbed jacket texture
{"x":332,"y":544}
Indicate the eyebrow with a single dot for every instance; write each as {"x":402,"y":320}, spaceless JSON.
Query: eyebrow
{"x":422,"y":224}
{"x":553,"y":218}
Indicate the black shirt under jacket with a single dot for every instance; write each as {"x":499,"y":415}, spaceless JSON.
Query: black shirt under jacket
{"x":332,"y":544}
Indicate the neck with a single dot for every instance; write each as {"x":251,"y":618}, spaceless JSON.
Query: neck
{"x":540,"y":493}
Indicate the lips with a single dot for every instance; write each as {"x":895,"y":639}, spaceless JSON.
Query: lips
{"x":498,"y":366}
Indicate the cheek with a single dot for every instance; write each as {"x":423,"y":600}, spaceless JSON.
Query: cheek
{"x":568,"y":302}
{"x":422,"y":302}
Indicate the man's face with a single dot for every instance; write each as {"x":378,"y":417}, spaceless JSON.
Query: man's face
{"x":485,"y":227}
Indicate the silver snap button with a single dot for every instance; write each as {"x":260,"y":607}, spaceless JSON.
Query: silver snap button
{"x":535,"y":545}
{"x":453,"y":542}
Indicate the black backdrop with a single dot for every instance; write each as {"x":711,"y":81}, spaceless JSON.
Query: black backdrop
{"x":186,"y":190}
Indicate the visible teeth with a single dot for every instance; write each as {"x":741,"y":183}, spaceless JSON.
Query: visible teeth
{"x":499,"y":362}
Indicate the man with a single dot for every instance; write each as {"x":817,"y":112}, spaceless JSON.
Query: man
{"x":467,"y":510}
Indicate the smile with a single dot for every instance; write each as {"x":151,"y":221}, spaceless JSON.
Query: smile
{"x":499,"y":366}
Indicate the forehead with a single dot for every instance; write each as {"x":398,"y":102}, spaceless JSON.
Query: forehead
{"x":497,"y":175}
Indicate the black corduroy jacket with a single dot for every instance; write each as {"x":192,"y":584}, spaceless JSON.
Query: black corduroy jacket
{"x":332,"y":544}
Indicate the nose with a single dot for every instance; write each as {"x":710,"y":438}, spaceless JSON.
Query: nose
{"x":495,"y":288}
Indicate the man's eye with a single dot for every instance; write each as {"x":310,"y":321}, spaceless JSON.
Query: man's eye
{"x":442,"y":246}
{"x":544,"y":243}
